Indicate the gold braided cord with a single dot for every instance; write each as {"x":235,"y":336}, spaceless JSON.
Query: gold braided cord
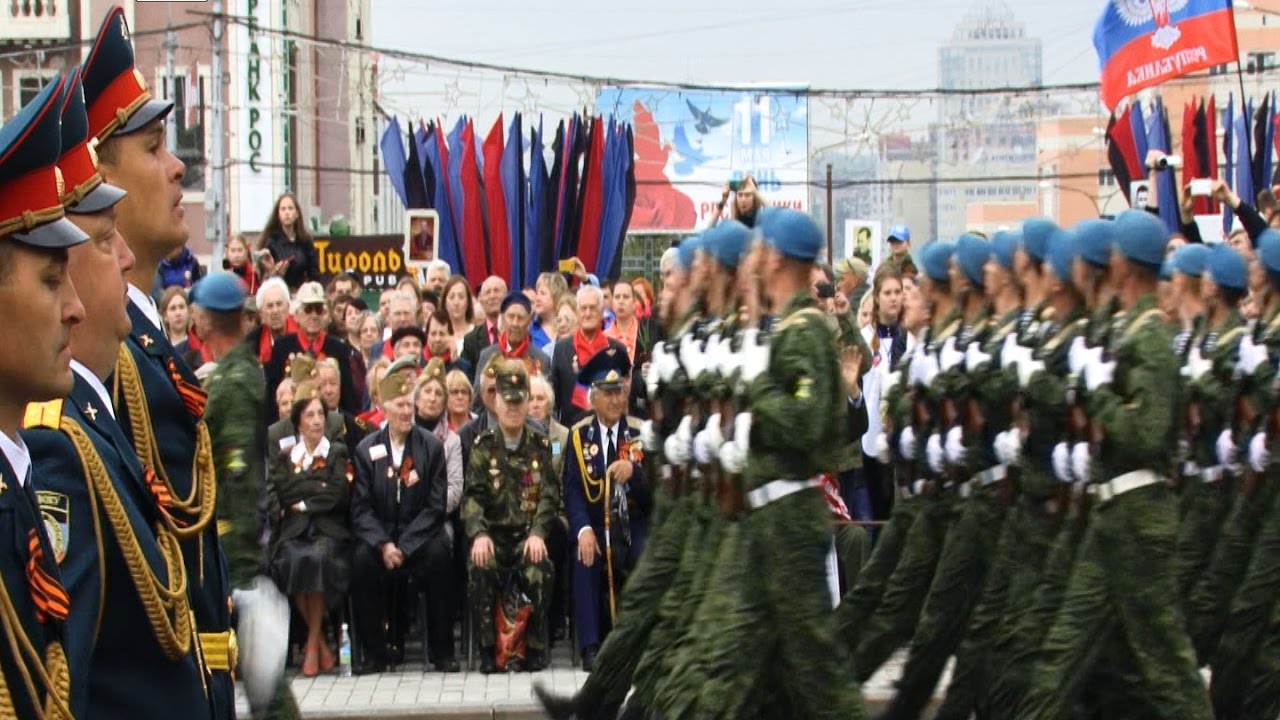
{"x":165,"y":602}
{"x":588,"y":482}
{"x":202,"y":501}
{"x":51,"y":670}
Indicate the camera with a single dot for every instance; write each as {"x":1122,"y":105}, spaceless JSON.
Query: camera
{"x":1169,"y":161}
{"x":1201,"y":187}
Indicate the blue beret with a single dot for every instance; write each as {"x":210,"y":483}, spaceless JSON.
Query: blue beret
{"x":972,"y":253}
{"x":1166,"y":271}
{"x":607,"y":368}
{"x":935,"y":259}
{"x":686,"y":250}
{"x":1190,"y":259}
{"x":1062,"y":253}
{"x":85,"y":192}
{"x":1035,"y":237}
{"x":1003,"y":244}
{"x":899,"y":233}
{"x":516,"y":297}
{"x":1269,"y":250}
{"x":1141,"y":237}
{"x":793,"y":234}
{"x":1228,"y":268}
{"x":219,"y":291}
{"x":1094,"y":239}
{"x":727,"y":241}
{"x":32,"y":212}
{"x":115,"y":94}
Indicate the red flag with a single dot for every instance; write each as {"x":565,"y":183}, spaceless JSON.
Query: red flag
{"x":499,"y":232}
{"x":1191,"y":168}
{"x":592,"y":200}
{"x":1142,"y":44}
{"x":1122,"y":151}
{"x":473,"y":251}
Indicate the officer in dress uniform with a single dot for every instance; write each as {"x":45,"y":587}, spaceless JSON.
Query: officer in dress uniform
{"x":511,"y":505}
{"x":36,"y":288}
{"x":604,"y":489}
{"x":160,"y":401}
{"x":130,"y":625}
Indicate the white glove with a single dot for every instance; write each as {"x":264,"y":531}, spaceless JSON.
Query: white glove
{"x":1027,"y":369}
{"x":1098,"y":373}
{"x":907,"y":442}
{"x":1008,"y":446}
{"x":1062,"y":462}
{"x":691,"y":356}
{"x":1251,"y":356}
{"x":706,"y":444}
{"x":755,"y":355}
{"x":974,"y":358}
{"x":742,"y":430}
{"x":732,"y":458}
{"x":677,"y":447}
{"x":1080,"y":462}
{"x":730,"y":361}
{"x":949,"y":357}
{"x":1009,"y":351}
{"x":1259,"y":455}
{"x":648,"y":436}
{"x":1080,"y":354}
{"x":935,"y":454}
{"x":881,"y":447}
{"x":924,"y":368}
{"x":955,"y":446}
{"x":1225,"y":448}
{"x":665,"y":363}
{"x":1196,"y":366}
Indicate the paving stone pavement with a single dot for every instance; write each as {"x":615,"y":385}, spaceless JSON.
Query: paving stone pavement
{"x":410,"y":694}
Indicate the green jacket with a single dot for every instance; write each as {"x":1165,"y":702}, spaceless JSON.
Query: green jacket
{"x":1136,"y":411}
{"x":236,"y":417}
{"x":1214,"y":393}
{"x":1045,"y":399}
{"x":798,"y":404}
{"x":991,"y":390}
{"x":510,"y":494}
{"x":325,"y":491}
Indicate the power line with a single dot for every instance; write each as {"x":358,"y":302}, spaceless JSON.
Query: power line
{"x":76,"y":44}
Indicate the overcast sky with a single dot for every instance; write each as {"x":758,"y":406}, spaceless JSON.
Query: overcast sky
{"x":826,"y":43}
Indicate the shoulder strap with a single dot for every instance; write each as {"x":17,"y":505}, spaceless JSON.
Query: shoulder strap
{"x":1140,"y":322}
{"x":47,"y":415}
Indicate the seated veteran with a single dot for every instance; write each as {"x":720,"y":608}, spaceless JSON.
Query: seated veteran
{"x":308,"y":495}
{"x":398,"y":513}
{"x":429,"y":403}
{"x":510,"y":507}
{"x":282,"y":435}
{"x":605,"y":497}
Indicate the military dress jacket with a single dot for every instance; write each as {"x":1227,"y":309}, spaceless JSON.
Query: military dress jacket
{"x":20,"y":516}
{"x":585,"y":499}
{"x":404,"y":505}
{"x":323,"y":488}
{"x":123,"y":666}
{"x":510,"y":494}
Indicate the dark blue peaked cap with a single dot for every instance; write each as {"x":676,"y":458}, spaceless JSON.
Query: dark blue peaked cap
{"x":115,"y":93}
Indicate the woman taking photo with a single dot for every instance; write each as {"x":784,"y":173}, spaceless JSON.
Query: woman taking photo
{"x":460,"y":306}
{"x":308,"y":494}
{"x":430,"y":398}
{"x":293,"y":255}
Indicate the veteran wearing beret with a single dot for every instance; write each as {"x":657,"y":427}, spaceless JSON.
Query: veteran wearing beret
{"x":513,"y":337}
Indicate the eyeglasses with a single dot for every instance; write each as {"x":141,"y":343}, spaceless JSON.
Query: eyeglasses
{"x":313,"y":309}
{"x":464,"y":391}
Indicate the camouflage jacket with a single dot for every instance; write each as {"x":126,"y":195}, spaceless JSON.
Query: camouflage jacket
{"x":511,"y":493}
{"x":1045,"y":400}
{"x":1213,"y":394}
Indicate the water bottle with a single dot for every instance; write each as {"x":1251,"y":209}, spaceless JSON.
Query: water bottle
{"x":344,"y":652}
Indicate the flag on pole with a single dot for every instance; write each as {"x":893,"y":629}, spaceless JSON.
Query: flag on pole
{"x":1165,"y":193}
{"x":1228,"y":152}
{"x":393,"y":159}
{"x":511,"y":168}
{"x":499,"y":238}
{"x":1142,"y":43}
{"x":535,"y":213}
{"x":1122,"y":153}
{"x":475,"y":254}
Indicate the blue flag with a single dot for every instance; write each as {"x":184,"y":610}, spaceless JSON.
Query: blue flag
{"x":1244,"y":164}
{"x":1165,"y":191}
{"x":446,"y":235}
{"x":535,"y":207}
{"x":513,"y":192}
{"x":393,"y":159}
{"x":1228,"y":152}
{"x":613,"y":207}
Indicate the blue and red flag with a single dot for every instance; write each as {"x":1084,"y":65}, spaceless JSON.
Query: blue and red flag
{"x":1122,"y":153}
{"x":446,"y":233}
{"x":589,"y":209}
{"x":1142,"y":43}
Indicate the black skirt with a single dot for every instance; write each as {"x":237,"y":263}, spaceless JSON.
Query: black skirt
{"x":313,"y":563}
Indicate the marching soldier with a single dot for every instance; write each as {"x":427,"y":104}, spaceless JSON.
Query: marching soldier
{"x":510,"y":505}
{"x":35,"y":286}
{"x":1119,"y":590}
{"x":130,"y":623}
{"x":160,"y":401}
{"x":604,"y":496}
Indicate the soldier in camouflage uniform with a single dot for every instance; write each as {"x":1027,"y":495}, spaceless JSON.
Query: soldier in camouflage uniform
{"x":236,"y":421}
{"x":1118,"y":595}
{"x":1246,"y":661}
{"x":510,"y":505}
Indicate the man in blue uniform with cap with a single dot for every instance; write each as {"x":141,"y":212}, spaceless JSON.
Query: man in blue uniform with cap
{"x":1119,"y":594}
{"x":137,"y":632}
{"x":160,"y":400}
{"x":34,"y":367}
{"x":605,"y":498}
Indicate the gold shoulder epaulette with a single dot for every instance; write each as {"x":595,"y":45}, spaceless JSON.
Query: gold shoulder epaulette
{"x":634,"y":422}
{"x":584,"y":422}
{"x":43,"y":415}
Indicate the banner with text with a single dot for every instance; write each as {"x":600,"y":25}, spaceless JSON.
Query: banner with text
{"x":688,"y":145}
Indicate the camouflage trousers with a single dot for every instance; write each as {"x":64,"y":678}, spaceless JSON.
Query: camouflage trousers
{"x":1118,"y":601}
{"x":895,"y":617}
{"x":1205,"y":507}
{"x":957,"y":587}
{"x":485,"y":584}
{"x":611,"y":675}
{"x":863,"y":597}
{"x":779,"y":624}
{"x":1249,"y":643}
